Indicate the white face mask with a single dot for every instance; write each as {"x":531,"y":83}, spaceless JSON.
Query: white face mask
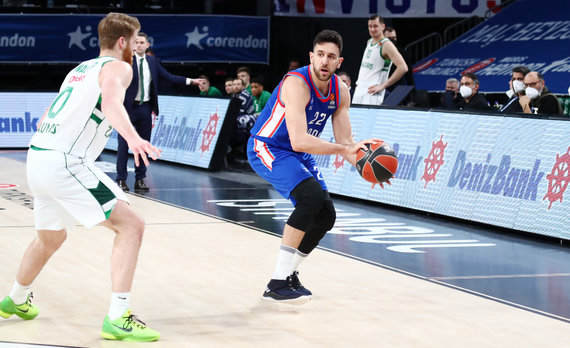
{"x":465,"y":91}
{"x":531,"y":93}
{"x":510,"y":93}
{"x":518,"y":86}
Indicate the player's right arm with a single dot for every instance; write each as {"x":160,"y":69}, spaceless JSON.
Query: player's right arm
{"x":114,"y":78}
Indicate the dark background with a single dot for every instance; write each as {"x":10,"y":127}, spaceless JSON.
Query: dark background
{"x":289,"y":37}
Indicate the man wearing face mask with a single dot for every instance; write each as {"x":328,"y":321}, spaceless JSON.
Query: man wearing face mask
{"x":538,"y":97}
{"x":451,"y":97}
{"x":469,"y":91}
{"x":516,"y":90}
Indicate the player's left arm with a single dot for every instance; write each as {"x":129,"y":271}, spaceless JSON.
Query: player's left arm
{"x":342,"y":129}
{"x":390,"y":51}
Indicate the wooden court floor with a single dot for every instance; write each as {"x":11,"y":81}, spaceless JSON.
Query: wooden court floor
{"x":199,"y":281}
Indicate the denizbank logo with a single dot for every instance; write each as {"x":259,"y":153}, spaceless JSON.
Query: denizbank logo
{"x":177,"y":135}
{"x":25,"y":124}
{"x":502,"y":179}
{"x":198,"y":37}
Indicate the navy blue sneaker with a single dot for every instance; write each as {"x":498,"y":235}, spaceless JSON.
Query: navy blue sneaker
{"x":283,"y":291}
{"x":296,"y":283}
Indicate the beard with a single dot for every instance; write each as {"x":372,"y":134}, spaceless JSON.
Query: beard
{"x":322,"y":76}
{"x":128,"y":55}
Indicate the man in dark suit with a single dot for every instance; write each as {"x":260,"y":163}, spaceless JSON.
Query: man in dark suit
{"x":141,"y":102}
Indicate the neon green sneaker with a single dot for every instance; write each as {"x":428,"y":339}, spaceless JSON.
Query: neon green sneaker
{"x":128,"y":328}
{"x":26,"y":310}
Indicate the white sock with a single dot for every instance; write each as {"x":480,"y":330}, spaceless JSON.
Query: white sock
{"x":296,"y":261}
{"x":284,"y":259}
{"x":119,"y":304}
{"x":19,"y":293}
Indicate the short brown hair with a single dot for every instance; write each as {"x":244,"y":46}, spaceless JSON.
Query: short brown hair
{"x":243,"y":69}
{"x":114,"y":26}
{"x":376,"y":17}
{"x":328,"y":36}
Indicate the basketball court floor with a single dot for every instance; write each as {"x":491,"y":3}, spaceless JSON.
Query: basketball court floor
{"x":383,"y":277}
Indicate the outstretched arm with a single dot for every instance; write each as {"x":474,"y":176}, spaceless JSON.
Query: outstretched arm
{"x":181,"y":80}
{"x":114,"y":78}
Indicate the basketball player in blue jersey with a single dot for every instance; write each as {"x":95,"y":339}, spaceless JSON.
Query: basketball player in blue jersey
{"x":280,"y":150}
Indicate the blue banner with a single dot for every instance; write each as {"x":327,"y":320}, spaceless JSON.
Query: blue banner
{"x":175,"y":38}
{"x":529,"y":32}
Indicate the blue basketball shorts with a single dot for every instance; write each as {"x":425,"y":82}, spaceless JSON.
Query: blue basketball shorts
{"x":282,"y":168}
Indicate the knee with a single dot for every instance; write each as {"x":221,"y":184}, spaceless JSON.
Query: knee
{"x":126,"y":223}
{"x":310,"y":199}
{"x":327,"y":216}
{"x":134,"y":228}
{"x":51,"y":240}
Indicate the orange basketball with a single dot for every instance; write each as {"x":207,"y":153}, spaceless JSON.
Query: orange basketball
{"x":378,"y":164}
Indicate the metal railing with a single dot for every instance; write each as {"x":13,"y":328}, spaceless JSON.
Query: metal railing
{"x":455,"y":30}
{"x":423,"y":47}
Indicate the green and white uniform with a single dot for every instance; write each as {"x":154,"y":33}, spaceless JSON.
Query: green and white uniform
{"x":374,"y":70}
{"x":60,"y":167}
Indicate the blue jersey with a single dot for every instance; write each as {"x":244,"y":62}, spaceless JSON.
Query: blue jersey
{"x":270,"y":126}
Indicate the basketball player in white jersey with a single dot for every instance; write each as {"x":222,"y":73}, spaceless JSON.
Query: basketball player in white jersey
{"x":68,"y":188}
{"x":379,"y":55}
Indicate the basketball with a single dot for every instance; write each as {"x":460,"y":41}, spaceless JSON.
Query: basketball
{"x":378,"y":164}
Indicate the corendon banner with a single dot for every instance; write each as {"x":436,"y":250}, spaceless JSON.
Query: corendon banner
{"x":176,"y":38}
{"x":540,"y":41}
{"x":384,"y":8}
{"x":468,"y":166}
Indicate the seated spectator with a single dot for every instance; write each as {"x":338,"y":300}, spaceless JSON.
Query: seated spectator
{"x":229,"y":86}
{"x":451,"y":97}
{"x":260,"y":97}
{"x":345,"y":77}
{"x":207,"y":89}
{"x":244,"y":74}
{"x":516,"y":90}
{"x":294,"y":64}
{"x":537,"y":98}
{"x":469,"y":90}
{"x":244,"y":122}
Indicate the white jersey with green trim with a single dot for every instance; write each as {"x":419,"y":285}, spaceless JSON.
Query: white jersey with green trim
{"x":74,"y":123}
{"x":374,"y":70}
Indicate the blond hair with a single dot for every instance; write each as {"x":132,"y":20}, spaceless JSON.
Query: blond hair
{"x":114,"y":26}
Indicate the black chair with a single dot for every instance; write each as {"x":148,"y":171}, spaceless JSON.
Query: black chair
{"x":398,"y":94}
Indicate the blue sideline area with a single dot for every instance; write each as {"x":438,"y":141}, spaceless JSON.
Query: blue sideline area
{"x":532,"y":33}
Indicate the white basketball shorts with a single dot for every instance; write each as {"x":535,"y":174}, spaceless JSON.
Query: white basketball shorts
{"x":68,"y":190}
{"x":361,"y":96}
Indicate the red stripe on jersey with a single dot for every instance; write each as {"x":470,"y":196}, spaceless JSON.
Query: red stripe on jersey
{"x":268,"y":121}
